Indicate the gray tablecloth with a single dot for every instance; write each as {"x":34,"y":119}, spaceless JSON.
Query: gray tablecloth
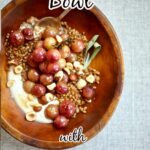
{"x":129,"y":128}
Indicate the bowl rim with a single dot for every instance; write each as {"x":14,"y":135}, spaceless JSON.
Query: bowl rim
{"x":110,"y":110}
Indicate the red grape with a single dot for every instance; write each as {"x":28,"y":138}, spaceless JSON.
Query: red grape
{"x":43,"y":67}
{"x":53,"y":55}
{"x":49,"y":32}
{"x":73,"y":77}
{"x":38,"y":90}
{"x":31,"y":61}
{"x":43,"y":100}
{"x":28,"y":34}
{"x":77,"y":46}
{"x":53,"y":68}
{"x":61,"y":122}
{"x":49,"y":43}
{"x":61,"y":88}
{"x":52,"y":111}
{"x":65,"y":51}
{"x":88,"y":92}
{"x":67,"y":108}
{"x":71,"y":58}
{"x":39,"y":54}
{"x":33,"y":75}
{"x":16,"y":38}
{"x":28,"y":85}
{"x":46,"y":79}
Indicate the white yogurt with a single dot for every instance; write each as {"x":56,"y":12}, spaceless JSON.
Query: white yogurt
{"x":21,"y":97}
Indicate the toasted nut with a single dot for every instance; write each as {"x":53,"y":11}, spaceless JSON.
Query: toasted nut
{"x":37,"y":107}
{"x":38,"y":31}
{"x":80,"y":72}
{"x":30,"y":97}
{"x":89,"y":101}
{"x":13,"y":62}
{"x":18,"y":69}
{"x":43,"y":100}
{"x":10,"y":83}
{"x":59,"y":39}
{"x":31,"y":116}
{"x":59,"y":75}
{"x":77,"y":65}
{"x":49,"y":96}
{"x":51,"y":86}
{"x":90,"y":78}
{"x":62,"y":63}
{"x":81,"y":84}
{"x":67,"y":70}
{"x":25,"y":25}
{"x":31,"y":103}
{"x":77,"y":110}
{"x":69,"y":65}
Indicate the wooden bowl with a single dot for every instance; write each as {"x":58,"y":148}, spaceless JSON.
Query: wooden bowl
{"x":109,"y":62}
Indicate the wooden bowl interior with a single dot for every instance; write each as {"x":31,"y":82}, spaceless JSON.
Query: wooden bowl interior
{"x":106,"y":62}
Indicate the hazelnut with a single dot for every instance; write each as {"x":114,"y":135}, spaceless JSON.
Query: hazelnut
{"x":62,"y":63}
{"x":59,"y":75}
{"x":59,"y":39}
{"x":77,"y":65}
{"x":90,"y":78}
{"x":10,"y":83}
{"x":81,"y":84}
{"x":30,"y":97}
{"x":67,"y":70}
{"x":49,"y":96}
{"x":51,"y":86}
{"x":12,"y":62}
{"x":37,"y":107}
{"x":18,"y":69}
{"x":69,"y":65}
{"x":31,"y":116}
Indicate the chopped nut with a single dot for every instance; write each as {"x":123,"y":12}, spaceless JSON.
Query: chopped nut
{"x":10,"y":83}
{"x":59,"y":75}
{"x":30,"y":97}
{"x":90,"y":78}
{"x":81,"y":84}
{"x":69,"y":65}
{"x":31,"y":116}
{"x":89,"y":101}
{"x":18,"y":69}
{"x":62,"y":63}
{"x":51,"y":86}
{"x":37,"y":107}
{"x":77,"y":110}
{"x":32,"y":20}
{"x":49,"y":96}
{"x":80,"y":72}
{"x":59,"y":39}
{"x":77,"y":65}
{"x":31,"y":103}
{"x":25,"y":25}
{"x":67,"y":70}
{"x":12,"y":62}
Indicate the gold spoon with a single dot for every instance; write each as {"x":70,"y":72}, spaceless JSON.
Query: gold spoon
{"x":53,"y":21}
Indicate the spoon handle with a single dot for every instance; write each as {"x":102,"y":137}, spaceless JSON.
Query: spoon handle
{"x":64,"y":13}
